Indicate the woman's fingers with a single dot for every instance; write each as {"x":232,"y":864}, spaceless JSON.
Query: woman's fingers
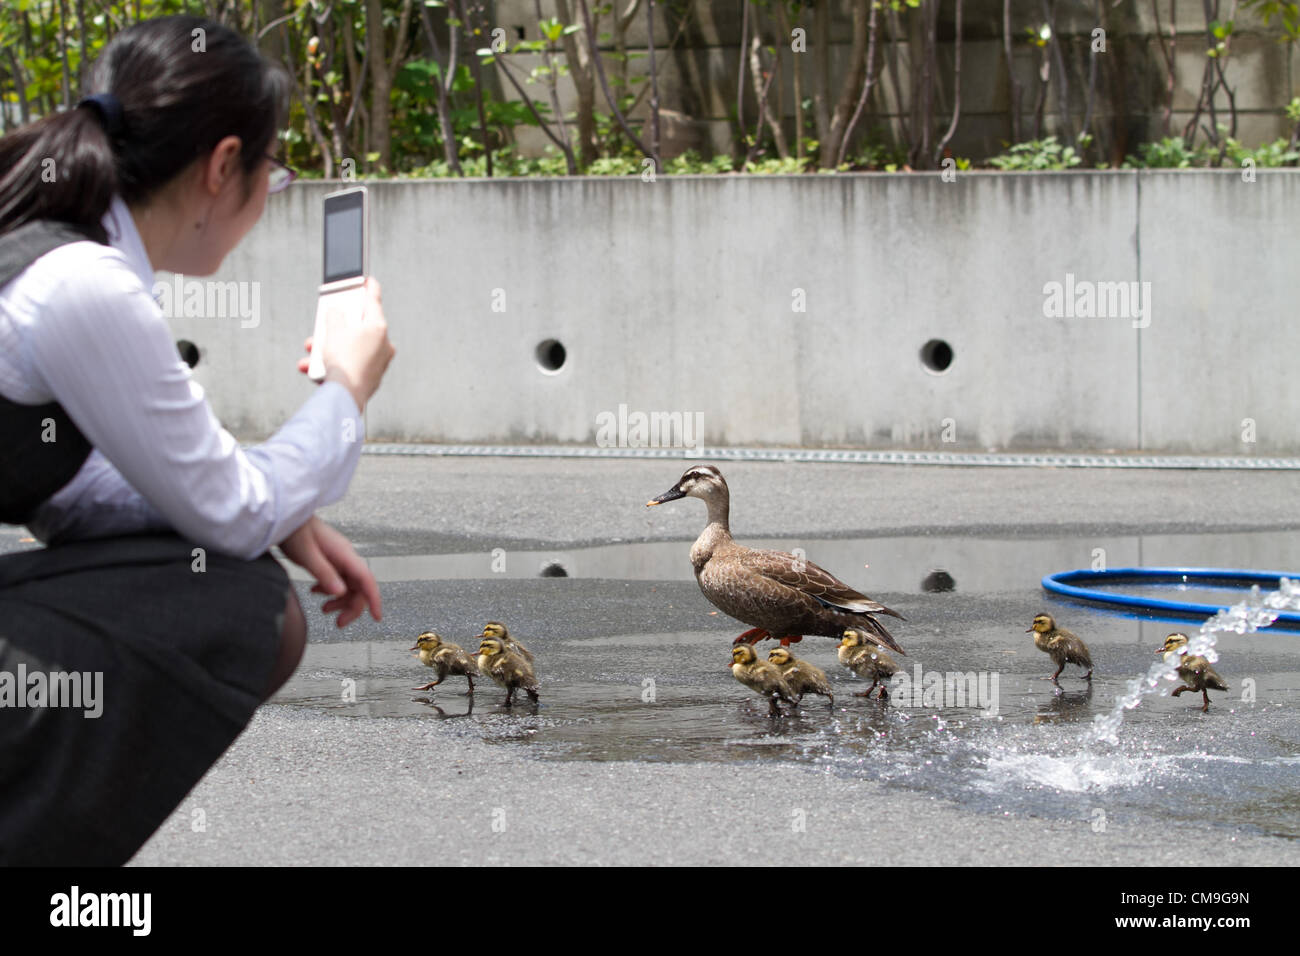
{"x":350,"y":607}
{"x":339,"y":571}
{"x":353,"y":568}
{"x":304,"y":363}
{"x":303,"y":548}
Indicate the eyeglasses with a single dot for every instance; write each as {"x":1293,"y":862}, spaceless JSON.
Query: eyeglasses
{"x":281,"y":175}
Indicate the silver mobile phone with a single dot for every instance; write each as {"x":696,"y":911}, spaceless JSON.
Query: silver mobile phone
{"x":346,"y":259}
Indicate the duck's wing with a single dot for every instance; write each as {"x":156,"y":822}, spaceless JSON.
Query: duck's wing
{"x":1204,"y":675}
{"x":1212,"y":678}
{"x":810,"y":579}
{"x":814,"y":678}
{"x":1076,"y":651}
{"x":467,"y":662}
{"x":521,"y":672}
{"x":776,"y":681}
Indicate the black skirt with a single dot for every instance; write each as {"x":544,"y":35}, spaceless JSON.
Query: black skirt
{"x":181,"y":647}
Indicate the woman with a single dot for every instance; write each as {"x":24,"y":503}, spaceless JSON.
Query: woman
{"x":156,"y":575}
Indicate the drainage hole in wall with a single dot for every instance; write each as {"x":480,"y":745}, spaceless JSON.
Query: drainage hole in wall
{"x":937,"y":582}
{"x":936,"y":355}
{"x":189,"y":352}
{"x":551,"y":356}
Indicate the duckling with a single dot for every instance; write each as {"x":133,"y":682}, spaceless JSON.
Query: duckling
{"x":801,"y":675}
{"x":508,"y":668}
{"x":1064,"y":646}
{"x":1193,"y":669}
{"x":446,"y":658}
{"x":497,"y":631}
{"x":778,"y":594}
{"x":760,"y":677}
{"x":867,"y":661}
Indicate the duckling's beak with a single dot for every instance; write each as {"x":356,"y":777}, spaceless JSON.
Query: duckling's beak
{"x":672,"y":494}
{"x":1029,"y":630}
{"x":414,"y":647}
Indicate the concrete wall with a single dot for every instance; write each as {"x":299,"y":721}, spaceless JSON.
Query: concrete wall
{"x":680,"y":296}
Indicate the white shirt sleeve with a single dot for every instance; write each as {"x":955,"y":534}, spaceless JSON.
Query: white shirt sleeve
{"x":97,"y":503}
{"x":103,"y":349}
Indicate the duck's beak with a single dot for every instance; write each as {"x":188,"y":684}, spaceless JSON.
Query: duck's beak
{"x":414,"y":647}
{"x":1029,"y":630}
{"x":672,"y":494}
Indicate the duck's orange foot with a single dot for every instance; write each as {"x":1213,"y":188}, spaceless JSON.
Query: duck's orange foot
{"x":752,"y":636}
{"x":791,"y":639}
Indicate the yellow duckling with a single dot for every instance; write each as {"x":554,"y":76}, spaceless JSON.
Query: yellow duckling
{"x":802,"y":676}
{"x":861,"y":655}
{"x":446,"y":658}
{"x":1193,"y":669}
{"x":497,"y":631}
{"x":760,"y":677}
{"x":1064,"y":647}
{"x":508,"y":668}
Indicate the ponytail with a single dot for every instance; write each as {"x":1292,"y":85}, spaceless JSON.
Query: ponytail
{"x":60,"y":167}
{"x":184,"y":83}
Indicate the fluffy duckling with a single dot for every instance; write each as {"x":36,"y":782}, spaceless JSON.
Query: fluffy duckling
{"x":446,"y":658}
{"x":497,"y":631}
{"x":1193,"y":669}
{"x":802,"y":676}
{"x":508,"y":668}
{"x":1063,"y":646}
{"x":760,"y":677}
{"x":860,"y":655}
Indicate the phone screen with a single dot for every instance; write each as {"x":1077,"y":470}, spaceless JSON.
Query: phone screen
{"x":344,"y":235}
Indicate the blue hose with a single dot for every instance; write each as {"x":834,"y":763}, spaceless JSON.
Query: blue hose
{"x":1063,"y":584}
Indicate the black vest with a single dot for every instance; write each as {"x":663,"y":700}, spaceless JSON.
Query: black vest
{"x":32,"y":466}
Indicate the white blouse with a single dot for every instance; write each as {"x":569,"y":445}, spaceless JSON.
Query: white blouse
{"x":80,"y":326}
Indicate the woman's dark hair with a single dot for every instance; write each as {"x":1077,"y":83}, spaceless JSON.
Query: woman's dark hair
{"x":184,"y":84}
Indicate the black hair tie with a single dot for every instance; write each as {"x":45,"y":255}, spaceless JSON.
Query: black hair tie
{"x":109,"y":108}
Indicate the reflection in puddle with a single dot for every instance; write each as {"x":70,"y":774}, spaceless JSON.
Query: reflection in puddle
{"x":655,"y":698}
{"x":909,"y":565}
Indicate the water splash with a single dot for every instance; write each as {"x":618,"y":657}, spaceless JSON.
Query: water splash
{"x":1250,"y":615}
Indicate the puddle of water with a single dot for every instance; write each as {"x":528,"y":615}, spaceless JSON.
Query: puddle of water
{"x":654,"y":698}
{"x":913,"y":564}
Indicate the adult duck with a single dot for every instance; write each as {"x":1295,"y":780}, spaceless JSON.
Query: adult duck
{"x":778,"y":594}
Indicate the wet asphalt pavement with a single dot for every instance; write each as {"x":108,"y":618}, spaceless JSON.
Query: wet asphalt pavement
{"x":644,"y":749}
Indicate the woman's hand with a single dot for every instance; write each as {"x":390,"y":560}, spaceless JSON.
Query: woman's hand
{"x":338,"y":569}
{"x":357,"y":353}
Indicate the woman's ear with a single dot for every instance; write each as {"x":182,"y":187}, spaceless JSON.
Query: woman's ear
{"x":223,"y":165}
